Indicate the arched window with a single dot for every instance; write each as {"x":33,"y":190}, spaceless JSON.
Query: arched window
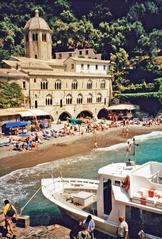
{"x":74,"y":85}
{"x":99,"y":98}
{"x":58,"y":85}
{"x":69,"y":99}
{"x":80,"y":99}
{"x":103,"y":84}
{"x":44,"y":85}
{"x":44,"y":37}
{"x":49,"y":100}
{"x":35,"y":37}
{"x":89,"y":84}
{"x":89,"y":98}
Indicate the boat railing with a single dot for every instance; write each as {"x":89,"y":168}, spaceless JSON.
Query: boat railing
{"x":78,"y":181}
{"x":75,"y":184}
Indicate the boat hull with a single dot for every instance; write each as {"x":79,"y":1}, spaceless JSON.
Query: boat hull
{"x":52,"y":193}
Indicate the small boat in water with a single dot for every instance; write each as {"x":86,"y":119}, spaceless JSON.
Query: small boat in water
{"x":133,"y":191}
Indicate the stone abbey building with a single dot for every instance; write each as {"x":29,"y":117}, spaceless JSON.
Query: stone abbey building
{"x":74,"y":83}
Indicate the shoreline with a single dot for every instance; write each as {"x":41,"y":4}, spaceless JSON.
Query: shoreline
{"x":60,"y":148}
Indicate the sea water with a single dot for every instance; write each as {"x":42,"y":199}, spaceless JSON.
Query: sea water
{"x":20,"y":185}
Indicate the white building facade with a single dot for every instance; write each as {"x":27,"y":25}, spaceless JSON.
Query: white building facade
{"x":75,"y":83}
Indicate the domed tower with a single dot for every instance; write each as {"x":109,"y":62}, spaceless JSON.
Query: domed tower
{"x":38,"y":43}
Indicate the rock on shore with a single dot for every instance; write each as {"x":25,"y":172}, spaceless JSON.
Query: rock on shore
{"x":42,"y":232}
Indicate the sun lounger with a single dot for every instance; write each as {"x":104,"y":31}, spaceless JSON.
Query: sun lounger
{"x":4,"y":143}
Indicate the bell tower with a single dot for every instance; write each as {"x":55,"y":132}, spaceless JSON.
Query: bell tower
{"x":38,"y":41}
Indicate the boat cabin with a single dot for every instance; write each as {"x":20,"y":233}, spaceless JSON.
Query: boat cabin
{"x":134,"y":191}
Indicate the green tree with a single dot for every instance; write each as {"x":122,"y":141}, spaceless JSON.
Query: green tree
{"x":10,"y":95}
{"x":120,"y":63}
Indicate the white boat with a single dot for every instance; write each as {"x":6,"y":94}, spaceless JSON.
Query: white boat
{"x":133,"y":191}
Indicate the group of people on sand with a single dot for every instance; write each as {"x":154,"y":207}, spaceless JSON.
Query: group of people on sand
{"x":87,"y":229}
{"x":27,"y":143}
{"x":8,"y":220}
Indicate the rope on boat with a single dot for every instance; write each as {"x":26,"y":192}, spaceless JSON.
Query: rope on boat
{"x":21,"y":210}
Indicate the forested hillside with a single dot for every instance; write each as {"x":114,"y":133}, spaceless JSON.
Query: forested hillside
{"x":128,"y":32}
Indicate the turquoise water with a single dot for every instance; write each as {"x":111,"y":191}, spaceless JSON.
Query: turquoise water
{"x":20,"y":185}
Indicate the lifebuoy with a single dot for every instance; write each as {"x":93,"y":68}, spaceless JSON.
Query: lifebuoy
{"x":126,"y":183}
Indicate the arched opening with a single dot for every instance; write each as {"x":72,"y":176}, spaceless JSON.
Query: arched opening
{"x":58,"y":85}
{"x":89,"y":98}
{"x":48,"y":100}
{"x":69,"y":99}
{"x":74,"y":85}
{"x":85,"y":114}
{"x":99,"y":98}
{"x":64,"y":115}
{"x":44,"y":85}
{"x":103,"y":114}
{"x":89,"y":84}
{"x":103,"y":84}
{"x":80,"y":99}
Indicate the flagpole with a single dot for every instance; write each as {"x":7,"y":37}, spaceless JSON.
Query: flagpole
{"x":134,"y":149}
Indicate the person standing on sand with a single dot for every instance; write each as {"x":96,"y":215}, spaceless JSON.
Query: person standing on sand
{"x":122,"y":231}
{"x":84,"y":233}
{"x":95,"y":144}
{"x":11,"y":215}
{"x":9,"y":209}
{"x":89,"y":222}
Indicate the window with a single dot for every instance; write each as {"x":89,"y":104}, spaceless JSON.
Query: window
{"x":35,"y":80}
{"x":145,"y":218}
{"x":89,"y":84}
{"x":36,"y":56}
{"x":88,"y":67}
{"x":44,"y":37}
{"x":117,"y":183}
{"x":89,"y":98}
{"x":58,"y":85}
{"x":70,"y":54}
{"x":49,"y":100}
{"x":72,"y":66}
{"x":82,"y":66}
{"x":80,"y":99}
{"x":36,"y":104}
{"x":80,"y":53}
{"x":104,"y":67}
{"x":103,"y":84}
{"x":96,"y":67}
{"x":68,"y":99}
{"x":44,"y":85}
{"x":35,"y":37}
{"x":27,"y":38}
{"x":74,"y":85}
{"x":87,"y":52}
{"x":24,"y":85}
{"x":60,"y":56}
{"x":60,"y":103}
{"x":99,"y":98}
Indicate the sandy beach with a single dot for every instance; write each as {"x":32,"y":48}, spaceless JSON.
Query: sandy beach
{"x":66,"y":147}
